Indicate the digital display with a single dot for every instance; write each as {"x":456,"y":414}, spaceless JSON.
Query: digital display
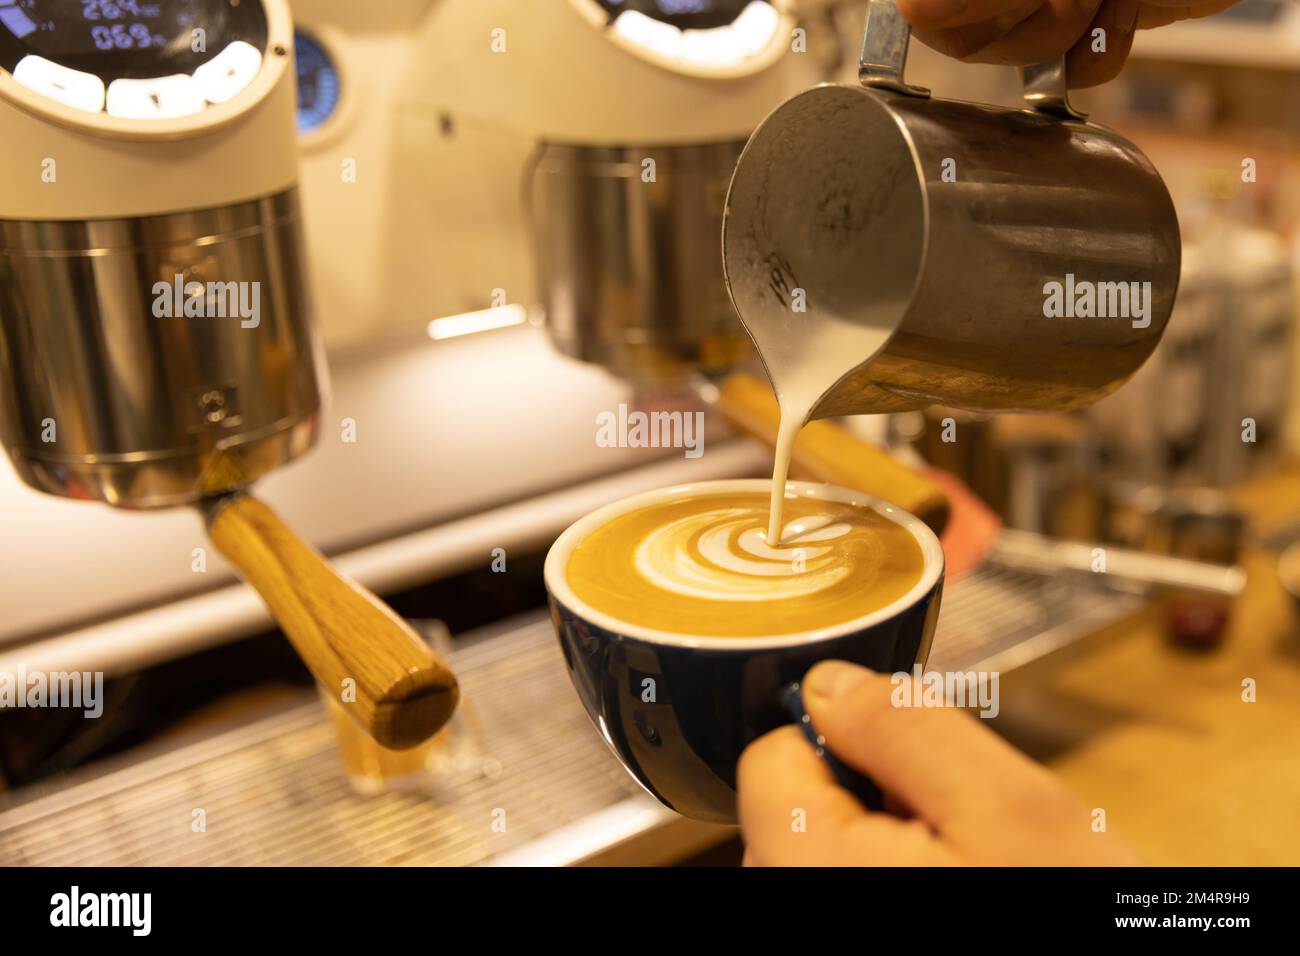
{"x":683,"y":14}
{"x":115,"y":39}
{"x":318,"y":83}
{"x":63,"y":28}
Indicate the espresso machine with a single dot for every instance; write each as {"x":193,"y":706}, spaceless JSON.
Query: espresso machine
{"x":157,"y":338}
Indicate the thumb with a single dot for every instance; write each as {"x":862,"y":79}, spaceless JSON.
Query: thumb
{"x":792,"y":813}
{"x":938,"y":761}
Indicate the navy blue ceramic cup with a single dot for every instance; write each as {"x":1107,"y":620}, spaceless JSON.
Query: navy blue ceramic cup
{"x":678,"y":709}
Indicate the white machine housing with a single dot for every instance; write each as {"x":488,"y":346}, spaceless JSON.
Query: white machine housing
{"x":108,"y":167}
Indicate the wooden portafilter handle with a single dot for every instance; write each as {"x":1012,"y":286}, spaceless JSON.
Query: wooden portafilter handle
{"x":826,"y":452}
{"x":404,"y":692}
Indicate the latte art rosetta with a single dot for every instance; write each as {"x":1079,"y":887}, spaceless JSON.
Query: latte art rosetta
{"x":703,"y":565}
{"x":721,"y":556}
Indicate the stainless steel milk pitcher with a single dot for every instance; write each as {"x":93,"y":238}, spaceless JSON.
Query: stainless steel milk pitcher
{"x":935,"y":251}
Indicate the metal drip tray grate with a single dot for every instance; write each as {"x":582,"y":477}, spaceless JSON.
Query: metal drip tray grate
{"x":998,"y":619}
{"x":274,"y":791}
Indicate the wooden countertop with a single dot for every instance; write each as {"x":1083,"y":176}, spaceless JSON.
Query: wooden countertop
{"x":1186,"y":770}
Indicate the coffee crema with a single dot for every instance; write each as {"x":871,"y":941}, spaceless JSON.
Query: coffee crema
{"x":702,"y":565}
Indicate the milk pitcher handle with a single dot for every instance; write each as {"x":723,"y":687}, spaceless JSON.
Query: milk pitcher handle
{"x":884,"y":57}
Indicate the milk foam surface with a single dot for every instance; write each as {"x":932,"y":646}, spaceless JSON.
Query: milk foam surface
{"x":703,"y":565}
{"x":732,"y":561}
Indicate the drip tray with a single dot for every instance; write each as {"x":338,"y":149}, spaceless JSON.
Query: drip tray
{"x":533,"y":784}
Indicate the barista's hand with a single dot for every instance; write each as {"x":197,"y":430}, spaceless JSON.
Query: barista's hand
{"x":1031,"y":31}
{"x":962,"y":795}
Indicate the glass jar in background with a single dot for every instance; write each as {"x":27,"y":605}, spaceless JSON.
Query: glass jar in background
{"x":1199,"y":525}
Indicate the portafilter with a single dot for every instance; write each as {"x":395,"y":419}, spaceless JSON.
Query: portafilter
{"x":157,"y":346}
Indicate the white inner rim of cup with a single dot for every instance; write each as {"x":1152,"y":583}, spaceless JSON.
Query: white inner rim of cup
{"x":557,"y":563}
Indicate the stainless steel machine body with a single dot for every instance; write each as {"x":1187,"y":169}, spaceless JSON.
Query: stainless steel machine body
{"x":107,"y":393}
{"x":628,"y":269}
